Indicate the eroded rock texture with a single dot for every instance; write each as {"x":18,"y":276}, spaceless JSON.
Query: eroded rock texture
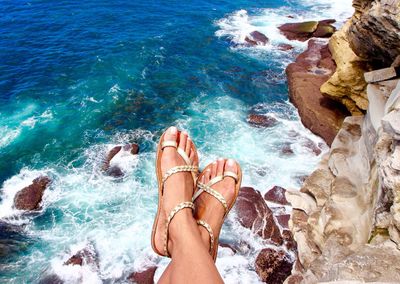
{"x":346,"y":216}
{"x":374,"y":33}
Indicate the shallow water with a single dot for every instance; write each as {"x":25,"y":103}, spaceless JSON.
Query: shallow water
{"x":77,"y":79}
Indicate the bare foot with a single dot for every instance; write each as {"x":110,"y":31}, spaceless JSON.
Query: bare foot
{"x":178,"y":188}
{"x":208,"y":208}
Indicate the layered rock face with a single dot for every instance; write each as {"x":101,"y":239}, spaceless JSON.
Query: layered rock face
{"x":346,"y":216}
{"x":374,"y":33}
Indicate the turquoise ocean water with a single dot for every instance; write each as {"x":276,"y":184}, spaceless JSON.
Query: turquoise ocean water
{"x":77,"y":78}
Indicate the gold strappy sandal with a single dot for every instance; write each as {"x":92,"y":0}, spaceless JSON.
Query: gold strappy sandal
{"x":207,"y":188}
{"x":161,"y":181}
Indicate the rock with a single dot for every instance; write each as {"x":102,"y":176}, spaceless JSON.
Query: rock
{"x":289,"y":241}
{"x":30,"y":197}
{"x":276,"y":195}
{"x":143,"y":277}
{"x":114,"y":170}
{"x":374,"y":31}
{"x":13,"y":242}
{"x":273,"y":266}
{"x":312,"y":146}
{"x":347,"y":85}
{"x":86,"y":256}
{"x":256,"y":38}
{"x":51,"y":279}
{"x":318,"y":113}
{"x":285,"y":47}
{"x":253,"y":213}
{"x":287,"y":149}
{"x":226,"y":245}
{"x":259,"y":120}
{"x":306,"y":30}
{"x":283,"y":220}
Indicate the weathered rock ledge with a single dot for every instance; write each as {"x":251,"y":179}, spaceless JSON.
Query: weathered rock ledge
{"x":312,"y":68}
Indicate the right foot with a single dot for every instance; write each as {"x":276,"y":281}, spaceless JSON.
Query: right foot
{"x":178,"y":187}
{"x":208,"y":208}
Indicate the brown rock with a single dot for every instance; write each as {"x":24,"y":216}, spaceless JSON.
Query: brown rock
{"x":253,"y":213}
{"x":256,"y":38}
{"x":276,"y":195}
{"x":290,"y":243}
{"x":306,"y":30}
{"x":259,"y":120}
{"x":312,"y":146}
{"x":287,"y":149}
{"x":285,"y":47}
{"x":283,"y":220}
{"x":273,"y":266}
{"x":318,"y":113}
{"x":30,"y":197}
{"x":115,"y":171}
{"x":87,"y":255}
{"x":226,"y":245}
{"x":143,"y":277}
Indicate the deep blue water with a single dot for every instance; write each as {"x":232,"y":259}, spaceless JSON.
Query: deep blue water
{"x":77,"y":77}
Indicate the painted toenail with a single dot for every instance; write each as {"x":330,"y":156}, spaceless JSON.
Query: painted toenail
{"x":173,"y":130}
{"x":230,"y":162}
{"x":220,"y":159}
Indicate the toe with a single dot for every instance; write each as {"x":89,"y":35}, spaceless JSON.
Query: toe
{"x":183,"y":140}
{"x":231,"y":166}
{"x":171,"y":134}
{"x":220,"y":166}
{"x":207,"y":176}
{"x":214,"y":169}
{"x":188,"y":146}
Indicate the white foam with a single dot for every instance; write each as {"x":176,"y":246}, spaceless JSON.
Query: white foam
{"x":8,"y":135}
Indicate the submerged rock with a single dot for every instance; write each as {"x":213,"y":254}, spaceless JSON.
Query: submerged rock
{"x":86,"y":256}
{"x":312,"y":68}
{"x":306,"y":30}
{"x":253,"y":213}
{"x":143,"y":277}
{"x":256,"y":38}
{"x":114,"y":170}
{"x":273,"y":266}
{"x":51,"y":279}
{"x":30,"y":197}
{"x":285,"y":47}
{"x":259,"y":120}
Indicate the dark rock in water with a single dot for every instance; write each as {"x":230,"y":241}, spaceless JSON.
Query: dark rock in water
{"x":273,"y":266}
{"x":115,"y":171}
{"x":29,"y":198}
{"x":287,"y":149}
{"x":285,"y":47}
{"x":13,"y":241}
{"x":276,"y":195}
{"x":253,"y":213}
{"x":86,"y":256}
{"x":256,"y":38}
{"x":312,"y":146}
{"x":283,"y":220}
{"x":259,"y":120}
{"x":143,"y":277}
{"x":306,"y":30}
{"x":225,"y":245}
{"x":51,"y":279}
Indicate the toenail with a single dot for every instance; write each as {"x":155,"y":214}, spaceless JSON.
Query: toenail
{"x":220,"y":159}
{"x":230,"y":162}
{"x":173,"y":130}
{"x":184,"y":133}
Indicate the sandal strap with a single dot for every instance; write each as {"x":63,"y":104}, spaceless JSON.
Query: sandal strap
{"x":206,"y":188}
{"x":169,"y":143}
{"x":232,"y":175}
{"x":171,"y":215}
{"x":179,"y":169}
{"x":184,"y":156}
{"x":210,"y":232}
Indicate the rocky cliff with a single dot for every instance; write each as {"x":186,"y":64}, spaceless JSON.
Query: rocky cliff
{"x":346,"y":217}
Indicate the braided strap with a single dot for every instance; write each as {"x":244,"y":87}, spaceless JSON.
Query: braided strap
{"x":210,"y":232}
{"x":171,"y":215}
{"x":216,"y":194}
{"x":178,"y":169}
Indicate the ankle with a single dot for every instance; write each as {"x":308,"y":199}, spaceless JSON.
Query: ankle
{"x":181,"y":225}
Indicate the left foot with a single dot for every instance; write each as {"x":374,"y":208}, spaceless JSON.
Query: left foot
{"x":209,"y":208}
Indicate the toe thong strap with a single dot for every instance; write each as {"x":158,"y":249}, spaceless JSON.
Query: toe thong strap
{"x":171,"y":215}
{"x":210,"y":232}
{"x":232,"y":175}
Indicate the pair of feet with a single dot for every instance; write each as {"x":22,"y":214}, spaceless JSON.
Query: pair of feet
{"x":180,"y":187}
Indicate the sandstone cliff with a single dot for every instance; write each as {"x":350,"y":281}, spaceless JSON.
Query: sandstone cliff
{"x":346,"y":217}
